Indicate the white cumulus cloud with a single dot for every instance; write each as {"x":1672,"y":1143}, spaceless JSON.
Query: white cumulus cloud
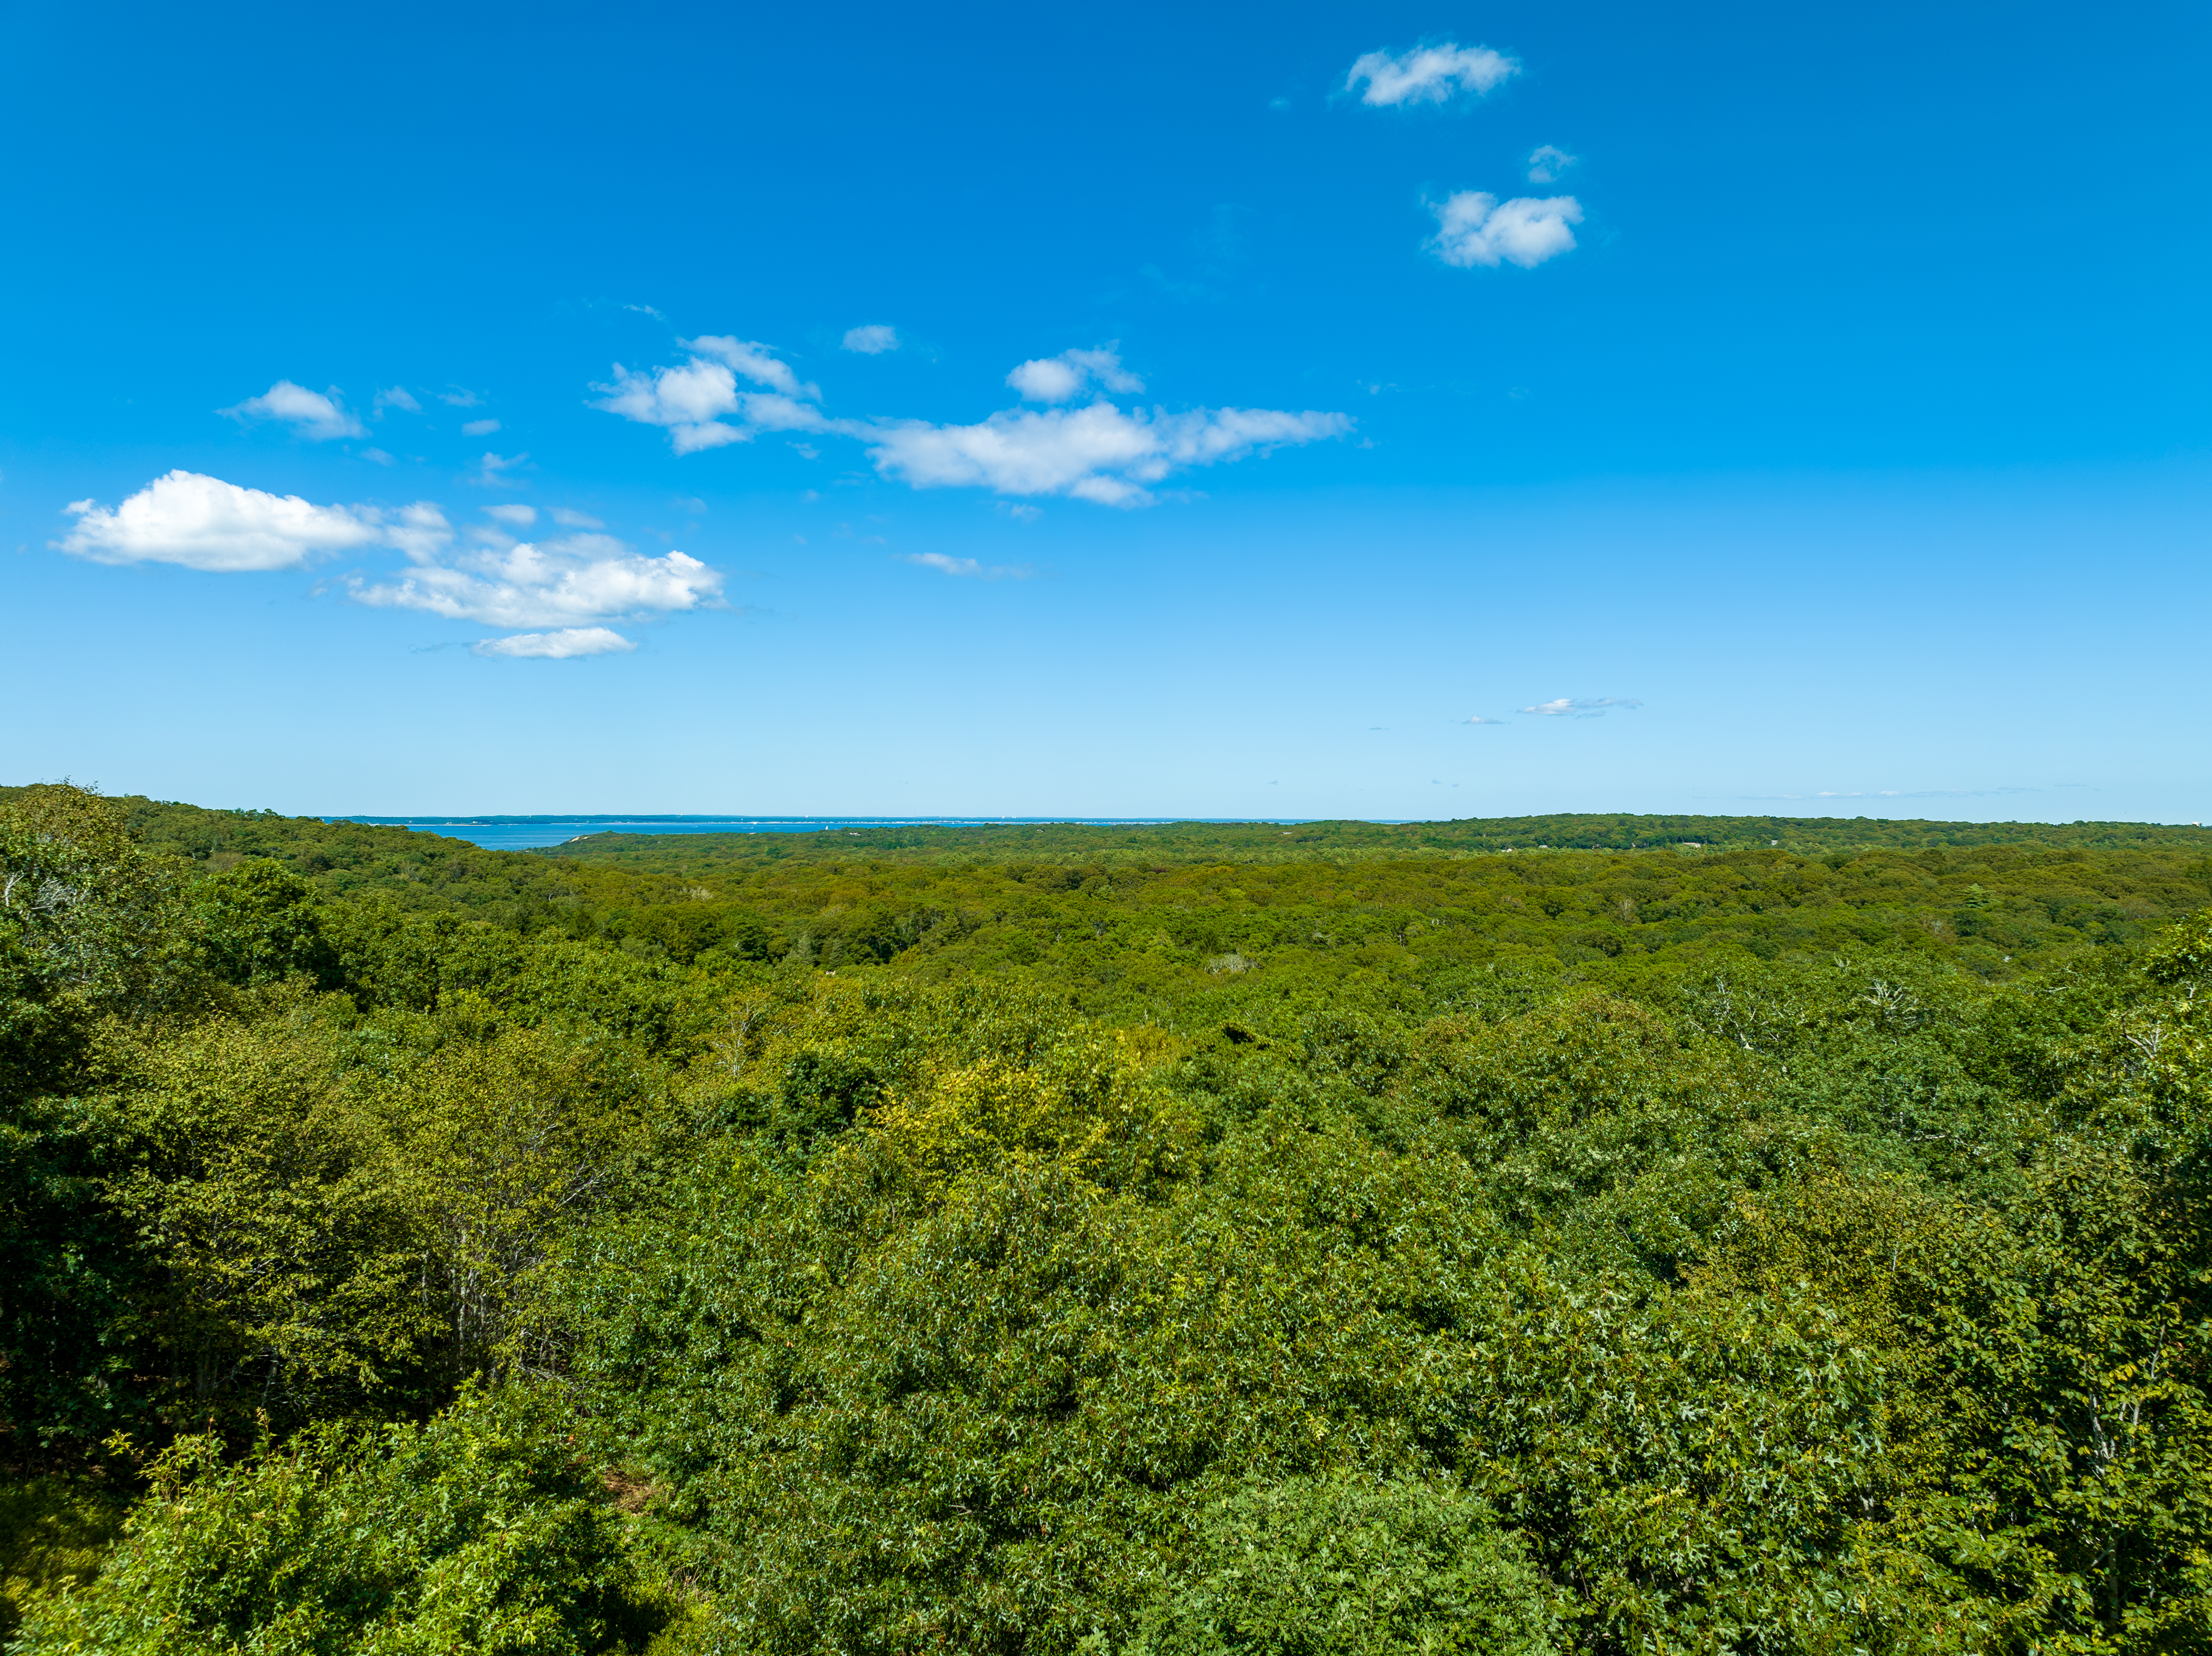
{"x":396,"y":396}
{"x":1427,"y":75}
{"x":692,"y":401}
{"x":1059,"y":378}
{"x":873,"y":340}
{"x":1098,"y":452}
{"x":311,"y":413}
{"x":565,"y":644}
{"x":1476,"y":228}
{"x":578,"y":578}
{"x":570,"y":585}
{"x":204,"y":523}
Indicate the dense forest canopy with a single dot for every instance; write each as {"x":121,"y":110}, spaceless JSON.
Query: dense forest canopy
{"x":1596,"y":1235}
{"x":1099,"y":904}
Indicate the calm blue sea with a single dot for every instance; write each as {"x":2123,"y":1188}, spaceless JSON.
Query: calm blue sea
{"x":520,"y":833}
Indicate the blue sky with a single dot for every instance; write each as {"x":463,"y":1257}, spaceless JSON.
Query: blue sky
{"x":1382,"y":410}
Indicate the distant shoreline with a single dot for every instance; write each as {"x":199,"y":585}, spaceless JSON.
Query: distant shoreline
{"x":524,"y":833}
{"x":1466,"y":835}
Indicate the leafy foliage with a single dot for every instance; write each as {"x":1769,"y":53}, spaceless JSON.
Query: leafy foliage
{"x":1349,"y":1567}
{"x":481,"y":1531}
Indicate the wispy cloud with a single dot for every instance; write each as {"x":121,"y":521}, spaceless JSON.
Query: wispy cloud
{"x":1570,"y":707}
{"x":1547,"y":161}
{"x":1911,"y":794}
{"x":480,"y":428}
{"x":967,"y":568}
{"x":1477,"y":718}
{"x":395,"y":397}
{"x":1098,"y":452}
{"x":573,"y":519}
{"x":872,"y":340}
{"x":312,"y":414}
{"x":1427,"y":75}
{"x":754,"y":361}
{"x":693,"y":403}
{"x":1832,"y":793}
{"x":204,"y":523}
{"x":1059,"y":378}
{"x":492,"y":470}
{"x":565,"y":644}
{"x":459,"y":397}
{"x":1473,"y":227}
{"x":520,"y":517}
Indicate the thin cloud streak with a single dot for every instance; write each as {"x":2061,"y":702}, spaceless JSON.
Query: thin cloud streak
{"x":1570,"y":707}
{"x":1099,"y":453}
{"x":967,"y":569}
{"x":568,"y":643}
{"x":1918,"y":793}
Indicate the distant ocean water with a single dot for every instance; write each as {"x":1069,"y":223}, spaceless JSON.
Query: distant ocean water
{"x":520,"y":833}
